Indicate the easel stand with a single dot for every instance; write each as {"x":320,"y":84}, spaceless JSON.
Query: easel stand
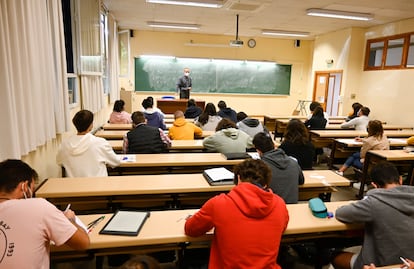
{"x":301,"y":107}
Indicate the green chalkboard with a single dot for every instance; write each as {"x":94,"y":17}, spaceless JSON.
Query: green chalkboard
{"x":160,"y":74}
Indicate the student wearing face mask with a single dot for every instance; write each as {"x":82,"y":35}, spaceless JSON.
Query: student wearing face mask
{"x":29,"y":247}
{"x":184,"y":84}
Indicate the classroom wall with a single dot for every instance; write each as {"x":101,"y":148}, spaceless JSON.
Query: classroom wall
{"x":345,"y":48}
{"x":389,"y":93}
{"x":281,"y":51}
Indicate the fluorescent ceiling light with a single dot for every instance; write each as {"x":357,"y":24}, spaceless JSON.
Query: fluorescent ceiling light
{"x":284,"y":33}
{"x":194,"y":3}
{"x":339,"y":14}
{"x":173,"y":25}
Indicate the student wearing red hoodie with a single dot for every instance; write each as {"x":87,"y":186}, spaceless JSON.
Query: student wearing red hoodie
{"x":248,"y":222}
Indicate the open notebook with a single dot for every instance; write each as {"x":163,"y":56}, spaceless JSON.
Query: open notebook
{"x":218,"y":176}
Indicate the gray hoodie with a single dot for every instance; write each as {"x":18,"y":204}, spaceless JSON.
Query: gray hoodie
{"x":251,"y":126}
{"x":286,"y":175}
{"x":388,"y":215}
{"x":228,"y":141}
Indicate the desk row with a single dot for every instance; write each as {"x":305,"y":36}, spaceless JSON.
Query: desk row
{"x":155,"y":235}
{"x":158,"y":191}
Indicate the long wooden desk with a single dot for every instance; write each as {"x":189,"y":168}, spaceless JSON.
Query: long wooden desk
{"x":176,"y":145}
{"x":119,"y":134}
{"x":163,"y":191}
{"x":270,"y":120}
{"x":165,"y":230}
{"x":117,"y":126}
{"x":172,"y":163}
{"x":343,"y":147}
{"x":324,"y":138}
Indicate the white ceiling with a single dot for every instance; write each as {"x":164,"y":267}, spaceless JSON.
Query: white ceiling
{"x":289,"y":15}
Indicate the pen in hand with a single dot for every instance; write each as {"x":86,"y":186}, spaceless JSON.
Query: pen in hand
{"x":407,"y":264}
{"x":67,"y":208}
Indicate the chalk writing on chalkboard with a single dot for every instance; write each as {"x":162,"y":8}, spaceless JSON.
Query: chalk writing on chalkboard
{"x":212,"y":76}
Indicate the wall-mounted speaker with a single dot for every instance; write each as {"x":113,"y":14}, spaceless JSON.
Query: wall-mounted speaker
{"x":131,"y":33}
{"x":296,"y":43}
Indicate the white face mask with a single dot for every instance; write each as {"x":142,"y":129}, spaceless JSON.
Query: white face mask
{"x":30,"y":192}
{"x":186,"y":74}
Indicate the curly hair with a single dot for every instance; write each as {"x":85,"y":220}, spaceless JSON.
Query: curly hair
{"x":296,"y":132}
{"x":375,"y":129}
{"x":253,"y":171}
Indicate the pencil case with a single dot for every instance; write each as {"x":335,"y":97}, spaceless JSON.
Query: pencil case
{"x":318,"y":208}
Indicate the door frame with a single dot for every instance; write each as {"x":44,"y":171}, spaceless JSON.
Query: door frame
{"x":335,"y":99}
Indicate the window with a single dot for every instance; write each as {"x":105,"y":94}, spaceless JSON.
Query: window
{"x":104,"y":50}
{"x":410,"y":57}
{"x":393,"y":52}
{"x":123,"y":39}
{"x":68,"y":10}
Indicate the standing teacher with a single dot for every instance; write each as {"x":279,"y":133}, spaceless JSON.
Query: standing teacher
{"x":184,"y":84}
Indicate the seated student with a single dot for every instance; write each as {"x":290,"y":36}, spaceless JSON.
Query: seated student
{"x":141,"y":262}
{"x":296,"y":144}
{"x":192,"y":111}
{"x":226,"y":112}
{"x":83,"y":154}
{"x":150,"y":100}
{"x":312,"y":107}
{"x":317,"y":120}
{"x":360,"y":123}
{"x":249,"y":220}
{"x":144,"y":138}
{"x":227,"y":139}
{"x":388,"y":213}
{"x":154,"y":117}
{"x":182,"y":129}
{"x":248,"y":125}
{"x":209,"y":119}
{"x":355,"y":109}
{"x":29,"y":225}
{"x":376,"y":140}
{"x":119,"y":115}
{"x":286,"y":172}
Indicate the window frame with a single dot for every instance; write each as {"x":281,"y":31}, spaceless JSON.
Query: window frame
{"x":386,"y":40}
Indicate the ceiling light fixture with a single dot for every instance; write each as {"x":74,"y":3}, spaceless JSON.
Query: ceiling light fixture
{"x":339,"y":14}
{"x":284,"y":33}
{"x":194,"y":3}
{"x":187,"y":26}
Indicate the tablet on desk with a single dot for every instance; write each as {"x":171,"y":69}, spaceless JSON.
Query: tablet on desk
{"x":125,"y":222}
